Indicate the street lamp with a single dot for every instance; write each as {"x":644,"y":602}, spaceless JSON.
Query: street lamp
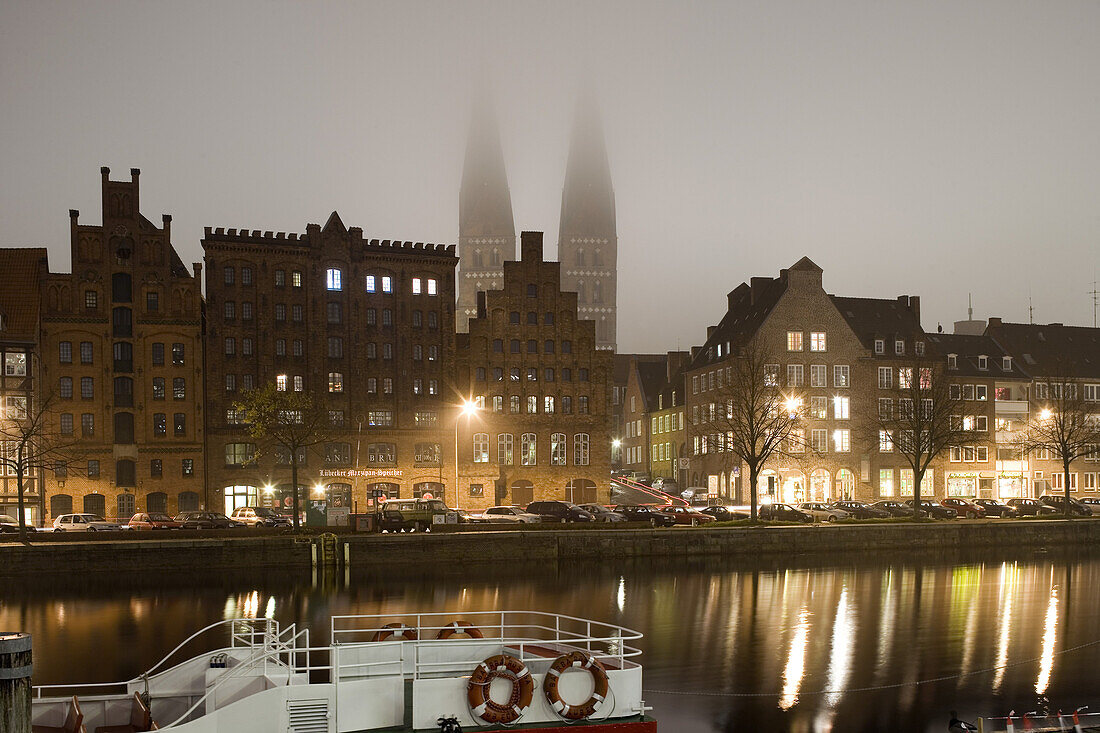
{"x":1045,"y":414}
{"x":467,"y":409}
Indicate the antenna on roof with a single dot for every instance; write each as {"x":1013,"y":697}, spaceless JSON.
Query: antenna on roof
{"x":1030,"y":308}
{"x":970,"y":306}
{"x":1095,"y":299}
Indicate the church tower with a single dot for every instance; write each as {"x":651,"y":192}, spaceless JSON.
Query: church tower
{"x":587,"y":239}
{"x":486,"y":229}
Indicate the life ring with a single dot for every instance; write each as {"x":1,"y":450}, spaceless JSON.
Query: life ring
{"x":477,"y":691}
{"x":395,"y":630}
{"x":579,"y":660}
{"x":460,"y":627}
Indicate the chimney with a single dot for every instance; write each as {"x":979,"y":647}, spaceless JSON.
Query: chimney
{"x":531,"y":246}
{"x":482,"y":309}
{"x":166,"y":220}
{"x":914,"y":305}
{"x":196,"y":267}
{"x":734,"y":295}
{"x":994,"y":321}
{"x":695,"y":351}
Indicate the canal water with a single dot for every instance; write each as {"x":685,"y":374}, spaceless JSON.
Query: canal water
{"x":850,"y":644}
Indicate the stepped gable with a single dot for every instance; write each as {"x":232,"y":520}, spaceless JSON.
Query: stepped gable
{"x":20,"y":296}
{"x":1050,"y":350}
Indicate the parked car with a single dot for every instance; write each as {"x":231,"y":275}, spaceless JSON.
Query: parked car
{"x":894,"y":508}
{"x":932,"y":508}
{"x":1092,"y":502}
{"x":784,"y":513}
{"x":994,"y":508}
{"x":645,"y":513}
{"x":860,"y":509}
{"x":602,"y":513}
{"x":83,"y":523}
{"x":1076,"y":508}
{"x":152,"y":520}
{"x":8,"y":524}
{"x":559,"y":511}
{"x":206,"y":520}
{"x":412,"y":515}
{"x":725,"y":513}
{"x":964,"y":507}
{"x":1031,"y":507}
{"x":506,"y":515}
{"x":688,"y":516}
{"x":819,"y":510}
{"x":259,"y":516}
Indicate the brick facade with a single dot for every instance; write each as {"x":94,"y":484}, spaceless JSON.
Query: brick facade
{"x":532,"y":367}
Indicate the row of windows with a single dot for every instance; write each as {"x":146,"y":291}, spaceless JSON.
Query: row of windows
{"x":124,"y":389}
{"x":548,"y":405}
{"x":795,"y":340}
{"x":532,"y":346}
{"x":334,"y":280}
{"x":796,"y":375}
{"x":334,"y":313}
{"x":125,"y":475}
{"x":334,"y":453}
{"x":841,"y":441}
{"x":528,"y":449}
{"x":667,"y":423}
{"x":515,"y":374}
{"x":899,"y":347}
{"x":86,"y":350}
{"x":532,"y":318}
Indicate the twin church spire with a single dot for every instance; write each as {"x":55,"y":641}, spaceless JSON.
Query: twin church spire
{"x":587,"y":239}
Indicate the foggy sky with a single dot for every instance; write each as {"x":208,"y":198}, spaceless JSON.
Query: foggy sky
{"x":931,"y":148}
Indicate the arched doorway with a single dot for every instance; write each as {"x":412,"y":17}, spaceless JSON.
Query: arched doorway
{"x":95,"y":504}
{"x":338,"y":496}
{"x":389,"y":491}
{"x":819,"y":485}
{"x":157,"y":502}
{"x":794,"y":486}
{"x":126,"y":505}
{"x":188,"y":501}
{"x":238,"y":496}
{"x":767,"y":485}
{"x":845,"y":484}
{"x":581,"y":491}
{"x":523,"y":492}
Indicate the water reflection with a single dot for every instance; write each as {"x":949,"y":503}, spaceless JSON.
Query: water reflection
{"x":772,"y":648}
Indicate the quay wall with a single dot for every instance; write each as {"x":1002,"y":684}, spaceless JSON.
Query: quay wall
{"x":459,"y":549}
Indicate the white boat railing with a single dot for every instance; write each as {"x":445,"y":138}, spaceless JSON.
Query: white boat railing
{"x":1076,"y":721}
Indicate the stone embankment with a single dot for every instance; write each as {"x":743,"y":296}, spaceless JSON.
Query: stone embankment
{"x":459,"y":549}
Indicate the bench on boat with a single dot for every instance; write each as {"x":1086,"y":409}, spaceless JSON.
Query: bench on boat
{"x":140,"y":719}
{"x":74,"y":721}
{"x":552,"y":650}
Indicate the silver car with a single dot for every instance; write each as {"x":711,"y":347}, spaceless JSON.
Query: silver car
{"x":822,"y":512}
{"x":506,"y":515}
{"x":83,"y":523}
{"x":9,"y":524}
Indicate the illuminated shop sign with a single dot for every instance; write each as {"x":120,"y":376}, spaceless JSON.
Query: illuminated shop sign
{"x":362,"y":473}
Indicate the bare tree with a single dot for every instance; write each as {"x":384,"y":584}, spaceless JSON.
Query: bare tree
{"x":1066,"y":425}
{"x":752,"y":419}
{"x":34,"y":443}
{"x":918,"y":416}
{"x":291,"y":421}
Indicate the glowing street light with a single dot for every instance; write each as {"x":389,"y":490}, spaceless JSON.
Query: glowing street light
{"x":1046,"y":414}
{"x":467,"y":409}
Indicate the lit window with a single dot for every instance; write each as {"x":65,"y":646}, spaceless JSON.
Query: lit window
{"x":280,"y":383}
{"x":528,"y":451}
{"x":333,"y":279}
{"x":794,"y":341}
{"x":296,"y":279}
{"x":432,"y":287}
{"x":416,"y":291}
{"x":885,"y":441}
{"x":387,"y":284}
{"x":842,"y":441}
{"x":370,"y":283}
{"x":841,"y":376}
{"x":299,"y":383}
{"x":886,"y":482}
{"x":557,"y":449}
{"x":481,"y":447}
{"x":817,"y":341}
{"x":335,"y":382}
{"x":840,"y":408}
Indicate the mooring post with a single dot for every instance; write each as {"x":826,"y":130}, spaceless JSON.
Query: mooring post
{"x":15,"y":682}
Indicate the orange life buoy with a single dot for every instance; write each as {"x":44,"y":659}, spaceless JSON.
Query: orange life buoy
{"x":395,"y":629}
{"x":477,"y":691}
{"x":460,"y":627}
{"x":579,"y":660}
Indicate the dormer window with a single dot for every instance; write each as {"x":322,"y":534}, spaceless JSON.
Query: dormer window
{"x":1006,"y":363}
{"x":899,"y":347}
{"x":918,"y":348}
{"x":952,"y":361}
{"x":983,"y":362}
{"x":880,"y":346}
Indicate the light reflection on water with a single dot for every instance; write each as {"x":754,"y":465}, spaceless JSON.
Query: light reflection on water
{"x":795,"y":637}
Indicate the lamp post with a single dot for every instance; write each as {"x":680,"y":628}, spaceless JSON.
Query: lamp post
{"x":467,"y":409}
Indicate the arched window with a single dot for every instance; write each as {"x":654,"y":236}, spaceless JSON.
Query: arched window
{"x":121,"y":290}
{"x":61,"y":504}
{"x":580,"y":257}
{"x":504,"y":449}
{"x":389,"y":490}
{"x":557,"y":449}
{"x":581,"y":491}
{"x":580,"y":291}
{"x":378,"y":452}
{"x":528,"y":449}
{"x":428,"y":490}
{"x":157,"y":502}
{"x":95,"y":504}
{"x":845,"y":484}
{"x":188,"y":501}
{"x":481,"y":447}
{"x":334,"y":279}
{"x":125,"y":475}
{"x":819,"y":485}
{"x":580,"y":449}
{"x":597,"y":292}
{"x":340,"y":453}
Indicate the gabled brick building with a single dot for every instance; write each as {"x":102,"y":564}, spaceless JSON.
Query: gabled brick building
{"x":541,"y":430}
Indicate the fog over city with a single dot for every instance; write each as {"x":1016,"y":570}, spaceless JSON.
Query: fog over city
{"x":934,"y":148}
